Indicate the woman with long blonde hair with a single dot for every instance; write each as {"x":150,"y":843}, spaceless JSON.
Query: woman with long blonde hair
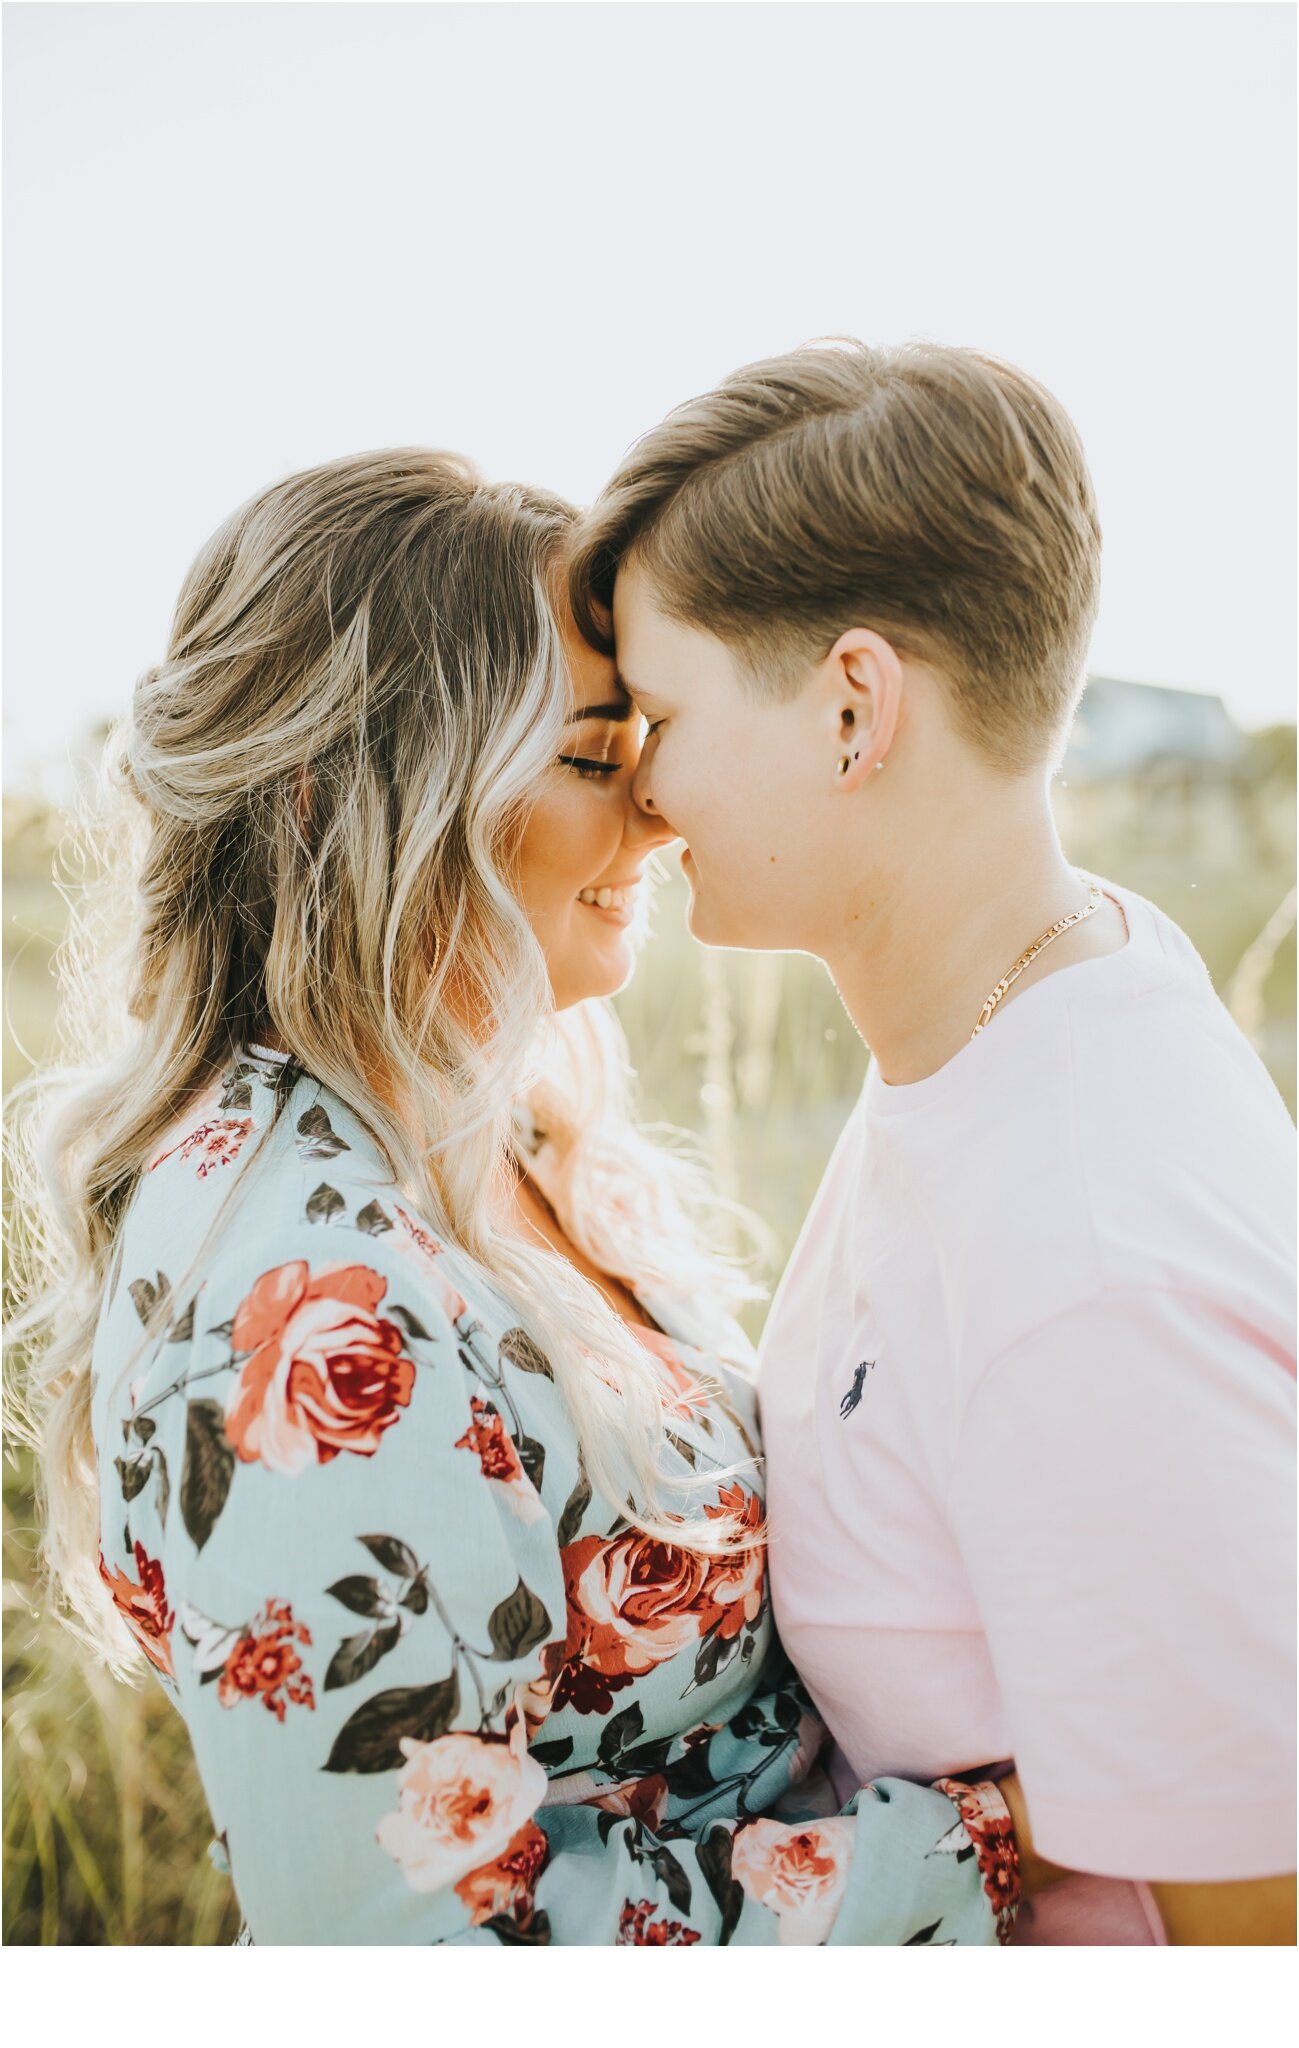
{"x":386,"y":1398}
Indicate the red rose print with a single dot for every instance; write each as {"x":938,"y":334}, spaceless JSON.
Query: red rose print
{"x":264,"y":1664}
{"x":986,"y":1820}
{"x":735,"y":1582}
{"x":636,"y":1601}
{"x":217,"y":1142}
{"x":588,"y":1691}
{"x":507,"y":1884}
{"x":638,"y":1929}
{"x":326,"y":1374}
{"x":487,"y":1438}
{"x":143,"y":1607}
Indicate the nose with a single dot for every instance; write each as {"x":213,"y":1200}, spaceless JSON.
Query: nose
{"x":646,"y":824}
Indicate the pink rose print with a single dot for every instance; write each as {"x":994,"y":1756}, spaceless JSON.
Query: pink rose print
{"x":461,"y":1802}
{"x":798,"y":1873}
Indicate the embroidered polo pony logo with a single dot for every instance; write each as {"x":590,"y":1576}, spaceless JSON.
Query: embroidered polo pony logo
{"x":852,"y":1399}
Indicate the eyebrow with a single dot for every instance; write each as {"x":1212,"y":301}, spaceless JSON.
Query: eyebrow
{"x":616,"y":713}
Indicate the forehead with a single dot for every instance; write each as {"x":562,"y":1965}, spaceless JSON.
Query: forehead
{"x":592,"y":675}
{"x":661,"y":656}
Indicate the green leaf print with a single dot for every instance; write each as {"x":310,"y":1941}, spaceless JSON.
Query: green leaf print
{"x":518,"y":1349}
{"x":208,"y":1469}
{"x":392,"y":1554}
{"x":359,"y":1654}
{"x":579,"y":1500}
{"x":714,"y":1859}
{"x":360,"y":1595}
{"x":370,"y":1740}
{"x":518,"y":1624}
{"x":146,"y":1294}
{"x":317,"y":1138}
{"x":324,"y":1204}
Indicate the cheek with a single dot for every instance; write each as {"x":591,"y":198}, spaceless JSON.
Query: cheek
{"x":719,"y":793}
{"x":571,"y":836}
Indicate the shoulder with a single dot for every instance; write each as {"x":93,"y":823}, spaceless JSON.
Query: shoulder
{"x":1122,"y":1137}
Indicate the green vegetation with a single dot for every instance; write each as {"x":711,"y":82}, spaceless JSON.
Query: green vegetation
{"x":105,"y":1830}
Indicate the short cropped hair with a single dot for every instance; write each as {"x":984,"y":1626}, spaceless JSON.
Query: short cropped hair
{"x":935,"y":494}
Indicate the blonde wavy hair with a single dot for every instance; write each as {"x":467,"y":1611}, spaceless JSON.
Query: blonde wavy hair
{"x":314,"y":805}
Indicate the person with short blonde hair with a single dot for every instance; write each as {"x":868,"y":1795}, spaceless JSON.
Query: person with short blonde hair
{"x":1028,"y":1382}
{"x":388,"y":1401}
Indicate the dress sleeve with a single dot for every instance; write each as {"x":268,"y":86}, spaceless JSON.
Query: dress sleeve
{"x":360,"y":1596}
{"x":1123,"y":1496}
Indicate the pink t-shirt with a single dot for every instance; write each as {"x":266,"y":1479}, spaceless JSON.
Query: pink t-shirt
{"x":1028,"y":1401}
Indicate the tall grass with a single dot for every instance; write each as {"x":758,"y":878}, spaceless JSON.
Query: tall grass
{"x":105,"y":1829}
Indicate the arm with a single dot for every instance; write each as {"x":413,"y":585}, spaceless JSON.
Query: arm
{"x":1253,"y":1914}
{"x":1134,"y":1574}
{"x":1258,"y":1913}
{"x":367,"y":1616}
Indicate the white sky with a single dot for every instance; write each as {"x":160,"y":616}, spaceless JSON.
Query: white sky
{"x":245,"y":238}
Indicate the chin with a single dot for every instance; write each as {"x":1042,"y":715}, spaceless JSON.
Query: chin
{"x":711,"y":927}
{"x":735,"y":934}
{"x":594,"y":978}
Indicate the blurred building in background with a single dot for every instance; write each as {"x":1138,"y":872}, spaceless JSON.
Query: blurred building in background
{"x":1171,"y":769}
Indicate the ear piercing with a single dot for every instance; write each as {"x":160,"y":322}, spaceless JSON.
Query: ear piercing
{"x":846,"y":761}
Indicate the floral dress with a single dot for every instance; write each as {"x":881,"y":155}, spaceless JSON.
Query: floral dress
{"x":438,"y":1689}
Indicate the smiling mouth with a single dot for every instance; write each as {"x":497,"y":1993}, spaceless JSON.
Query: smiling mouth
{"x":608,"y":899}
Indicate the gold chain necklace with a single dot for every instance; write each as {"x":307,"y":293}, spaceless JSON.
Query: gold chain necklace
{"x":1094,"y":902}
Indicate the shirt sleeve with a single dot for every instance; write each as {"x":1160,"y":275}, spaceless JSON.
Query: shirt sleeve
{"x":1123,"y":1497}
{"x":358,"y":1594}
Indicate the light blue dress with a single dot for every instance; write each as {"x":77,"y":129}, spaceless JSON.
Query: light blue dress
{"x":437,"y":1688}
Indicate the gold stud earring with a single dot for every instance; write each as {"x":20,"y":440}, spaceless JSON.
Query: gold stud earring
{"x":845,"y":764}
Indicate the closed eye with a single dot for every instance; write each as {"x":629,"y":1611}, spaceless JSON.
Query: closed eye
{"x":585,"y":768}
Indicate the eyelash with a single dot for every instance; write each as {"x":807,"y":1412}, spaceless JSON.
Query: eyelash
{"x":586,"y":768}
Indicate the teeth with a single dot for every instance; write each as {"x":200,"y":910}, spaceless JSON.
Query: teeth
{"x":605,"y":899}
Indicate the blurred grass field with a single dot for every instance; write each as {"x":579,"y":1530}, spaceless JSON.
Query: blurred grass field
{"x":105,"y":1830}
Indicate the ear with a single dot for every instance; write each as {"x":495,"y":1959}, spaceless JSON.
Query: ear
{"x":862,"y":696}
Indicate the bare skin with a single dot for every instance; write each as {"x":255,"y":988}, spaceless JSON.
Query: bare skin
{"x":918,"y":876}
